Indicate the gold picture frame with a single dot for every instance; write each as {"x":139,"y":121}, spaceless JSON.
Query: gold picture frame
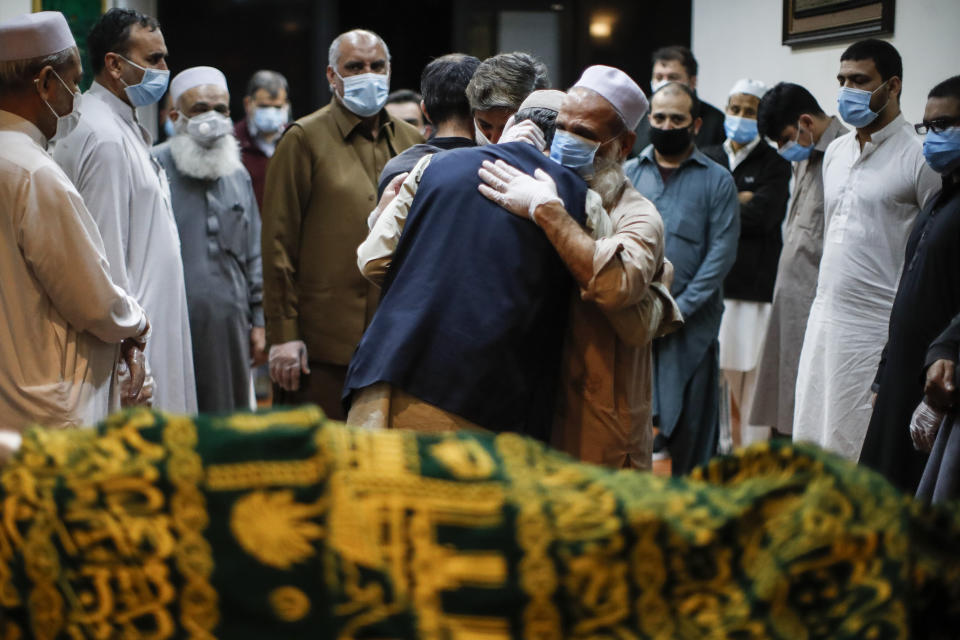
{"x":812,"y":22}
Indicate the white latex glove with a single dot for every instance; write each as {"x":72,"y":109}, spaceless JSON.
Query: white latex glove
{"x":525,"y":131}
{"x":287,"y":360}
{"x":924,"y":425}
{"x":516,"y":191}
{"x":389,"y":193}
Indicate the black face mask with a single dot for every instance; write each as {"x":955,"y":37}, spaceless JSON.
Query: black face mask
{"x":670,"y":142}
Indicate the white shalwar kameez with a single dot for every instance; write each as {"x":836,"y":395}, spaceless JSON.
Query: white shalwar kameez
{"x":61,"y":316}
{"x":126,"y":191}
{"x":871,"y":198}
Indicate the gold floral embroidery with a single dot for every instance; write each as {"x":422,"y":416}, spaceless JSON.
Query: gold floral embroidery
{"x":274,"y":529}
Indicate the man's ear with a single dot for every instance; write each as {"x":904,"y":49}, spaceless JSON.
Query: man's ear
{"x":174,"y":114}
{"x":693,"y":82}
{"x":696,"y":125}
{"x":423,"y":110}
{"x":246,"y":103}
{"x":627,"y":140}
{"x":332,"y":78}
{"x":896,"y":86}
{"x":43,"y":81}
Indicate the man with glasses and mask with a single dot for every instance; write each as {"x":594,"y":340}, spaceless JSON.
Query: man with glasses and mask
{"x":219,"y":224}
{"x":321,"y":185}
{"x":698,"y":201}
{"x":928,"y":298}
{"x":791,"y":117}
{"x":108,"y":158}
{"x":875,"y":182}
{"x":62,"y":316}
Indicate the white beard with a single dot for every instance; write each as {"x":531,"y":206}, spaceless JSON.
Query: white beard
{"x":608,"y":179}
{"x":205,"y":163}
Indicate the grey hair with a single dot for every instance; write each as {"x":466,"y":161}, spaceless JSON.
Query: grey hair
{"x":505,"y":80}
{"x":333,"y":57}
{"x":17,"y":74}
{"x":270,"y":81}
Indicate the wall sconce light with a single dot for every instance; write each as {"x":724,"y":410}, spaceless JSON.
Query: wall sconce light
{"x":601,"y":26}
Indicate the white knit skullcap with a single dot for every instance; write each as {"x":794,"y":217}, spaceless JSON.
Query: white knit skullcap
{"x":195,"y":77}
{"x":34,"y":35}
{"x":618,"y":89}
{"x":749,"y":87}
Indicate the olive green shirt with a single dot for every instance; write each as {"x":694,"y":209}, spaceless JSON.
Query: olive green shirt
{"x":321,"y":184}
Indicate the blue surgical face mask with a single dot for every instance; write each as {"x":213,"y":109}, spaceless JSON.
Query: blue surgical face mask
{"x":168,"y":128}
{"x":151,"y":87}
{"x":793,"y":151}
{"x":942,"y":150}
{"x":854,"y":106}
{"x":740,"y":130}
{"x":365,"y":94}
{"x":574,"y":152}
{"x":269,"y":119}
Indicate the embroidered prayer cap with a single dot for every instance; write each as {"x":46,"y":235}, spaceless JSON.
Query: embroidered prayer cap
{"x":618,"y":89}
{"x":543,"y":99}
{"x":749,"y":87}
{"x":195,"y":77}
{"x":34,"y":35}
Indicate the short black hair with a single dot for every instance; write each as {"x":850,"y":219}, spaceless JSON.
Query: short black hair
{"x":544,"y":118}
{"x":949,"y":88}
{"x":782,"y":106}
{"x":111,"y":34}
{"x":679,"y":86}
{"x":403,"y":95}
{"x":678,"y":53}
{"x":884,"y":55}
{"x":270,"y":81}
{"x":443,"y":84}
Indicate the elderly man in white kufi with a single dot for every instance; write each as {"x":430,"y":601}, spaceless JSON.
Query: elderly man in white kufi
{"x":219,"y":224}
{"x":61,"y":317}
{"x":108,"y":159}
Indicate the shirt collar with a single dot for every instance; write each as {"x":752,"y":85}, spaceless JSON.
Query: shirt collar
{"x":347,"y":121}
{"x":696,"y":157}
{"x":126,"y":113}
{"x":892,"y":127}
{"x":736,"y":157}
{"x":829,"y":134}
{"x":12,"y":122}
{"x":118,"y":106}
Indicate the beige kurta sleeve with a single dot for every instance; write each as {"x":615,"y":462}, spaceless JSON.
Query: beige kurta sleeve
{"x":61,"y":243}
{"x":375,"y":254}
{"x":627,"y":261}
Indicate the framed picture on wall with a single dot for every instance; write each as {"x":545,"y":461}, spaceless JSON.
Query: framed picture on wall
{"x":807,"y":22}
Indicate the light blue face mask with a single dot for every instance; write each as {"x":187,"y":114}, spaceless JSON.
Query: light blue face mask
{"x":168,"y":128}
{"x":793,"y":151}
{"x":365,"y":94}
{"x":854,"y":106}
{"x":150,"y":88}
{"x":574,"y":152}
{"x":269,"y":119}
{"x":740,"y":130}
{"x":942,"y":150}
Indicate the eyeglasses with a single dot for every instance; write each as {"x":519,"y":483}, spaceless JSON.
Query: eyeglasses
{"x":937,"y":126}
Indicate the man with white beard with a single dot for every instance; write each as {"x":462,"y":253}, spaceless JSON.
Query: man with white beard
{"x":605,"y":408}
{"x":219,"y":224}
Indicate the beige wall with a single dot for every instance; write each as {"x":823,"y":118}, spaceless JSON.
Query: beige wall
{"x":11,"y":8}
{"x":741,"y":38}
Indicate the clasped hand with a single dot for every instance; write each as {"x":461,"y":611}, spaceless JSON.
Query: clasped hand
{"x":517,"y":192}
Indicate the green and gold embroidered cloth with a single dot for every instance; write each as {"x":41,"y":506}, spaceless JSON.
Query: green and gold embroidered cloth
{"x":283,"y":525}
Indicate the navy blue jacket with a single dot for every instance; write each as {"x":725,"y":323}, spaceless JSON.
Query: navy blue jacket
{"x":475,"y":301}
